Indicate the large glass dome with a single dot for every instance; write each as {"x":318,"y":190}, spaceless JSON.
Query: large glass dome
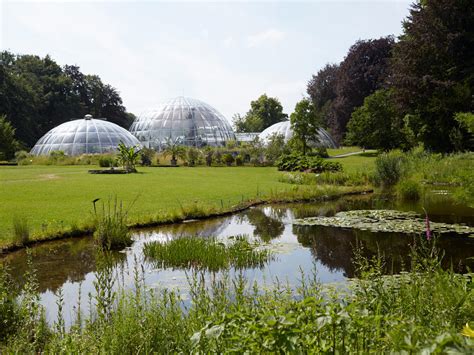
{"x":184,"y":121}
{"x":284,"y":129}
{"x":84,"y":136}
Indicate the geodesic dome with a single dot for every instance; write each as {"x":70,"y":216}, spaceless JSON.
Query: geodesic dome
{"x":184,"y":121}
{"x":84,"y":136}
{"x":284,"y":129}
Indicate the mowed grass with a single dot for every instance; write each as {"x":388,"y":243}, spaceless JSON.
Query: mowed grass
{"x":58,"y":198}
{"x":343,"y":150}
{"x":357,"y":163}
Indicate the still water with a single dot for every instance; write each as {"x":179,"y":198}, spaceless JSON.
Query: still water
{"x":71,"y":264}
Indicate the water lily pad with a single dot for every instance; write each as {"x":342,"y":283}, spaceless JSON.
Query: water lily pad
{"x":384,"y":221}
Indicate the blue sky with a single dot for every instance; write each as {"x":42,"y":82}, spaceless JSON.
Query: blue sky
{"x":224,"y":53}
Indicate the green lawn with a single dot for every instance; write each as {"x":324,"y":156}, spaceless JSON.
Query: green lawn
{"x":343,"y":150}
{"x":54,"y":198}
{"x":357,"y":163}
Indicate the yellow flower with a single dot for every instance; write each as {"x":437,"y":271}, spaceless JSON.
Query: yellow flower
{"x":467,"y":331}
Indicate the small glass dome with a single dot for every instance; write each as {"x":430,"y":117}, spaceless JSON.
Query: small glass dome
{"x":182,"y":120}
{"x":284,"y":129}
{"x":84,"y":136}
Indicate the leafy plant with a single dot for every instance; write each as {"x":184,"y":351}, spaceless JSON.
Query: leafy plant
{"x":298,"y":162}
{"x":228,"y":159}
{"x":389,"y":168}
{"x":174,"y":149}
{"x":128,"y":157}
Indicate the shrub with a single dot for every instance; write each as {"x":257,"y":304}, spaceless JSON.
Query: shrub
{"x":192,"y":156}
{"x":23,"y":157}
{"x":146,"y":156}
{"x":21,"y":230}
{"x":389,"y":168}
{"x":409,"y":190}
{"x":107,"y":161}
{"x":228,"y":159}
{"x":239,"y":160}
{"x":298,"y":162}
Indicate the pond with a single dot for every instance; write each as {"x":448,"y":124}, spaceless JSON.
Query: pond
{"x":71,"y":264}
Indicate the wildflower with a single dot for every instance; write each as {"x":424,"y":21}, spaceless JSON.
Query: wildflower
{"x":468,"y":331}
{"x":427,"y":222}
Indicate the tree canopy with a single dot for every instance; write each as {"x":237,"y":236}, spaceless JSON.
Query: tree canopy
{"x":264,"y":112}
{"x":36,"y":94}
{"x":305,"y":124}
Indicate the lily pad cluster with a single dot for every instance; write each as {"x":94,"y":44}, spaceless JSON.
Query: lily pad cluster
{"x":384,"y":221}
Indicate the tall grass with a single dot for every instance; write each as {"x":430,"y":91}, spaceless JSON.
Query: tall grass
{"x":207,"y":253}
{"x":111,"y":230}
{"x":422,"y":310}
{"x":21,"y":230}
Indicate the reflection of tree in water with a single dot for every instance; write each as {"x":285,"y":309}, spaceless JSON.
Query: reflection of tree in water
{"x":334,"y":247}
{"x":266,"y":228}
{"x":57,"y":262}
{"x":203,"y":228}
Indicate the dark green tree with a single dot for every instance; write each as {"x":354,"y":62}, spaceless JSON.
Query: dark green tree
{"x":376,"y":123}
{"x":8,"y":144}
{"x":433,"y":70}
{"x":305,"y":124}
{"x":264,"y":112}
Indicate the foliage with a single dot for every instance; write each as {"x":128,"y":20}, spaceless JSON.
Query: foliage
{"x":275,"y":148}
{"x":423,"y":310}
{"x":409,"y":190}
{"x":111,"y":230}
{"x":298,"y":162}
{"x":433,"y":75}
{"x":206,"y":253}
{"x":389,"y":168}
{"x":264,"y":112}
{"x":239,"y":160}
{"x":37,"y":94}
{"x":146,"y":156}
{"x":326,"y":178}
{"x":107,"y":161}
{"x":174,"y":149}
{"x":228,"y":159}
{"x":362,"y":72}
{"x":322,"y":91}
{"x":21,"y":230}
{"x":128,"y":156}
{"x":8,"y":144}
{"x":305,"y":124}
{"x":376,"y":124}
{"x":192,"y":155}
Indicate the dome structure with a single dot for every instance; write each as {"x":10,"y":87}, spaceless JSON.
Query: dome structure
{"x":184,"y":121}
{"x":284,"y":129}
{"x":84,"y":136}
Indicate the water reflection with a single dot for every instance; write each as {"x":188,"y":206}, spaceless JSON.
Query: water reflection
{"x":73,"y":262}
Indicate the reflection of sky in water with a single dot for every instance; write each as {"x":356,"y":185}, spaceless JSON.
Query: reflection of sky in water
{"x":327,"y":251}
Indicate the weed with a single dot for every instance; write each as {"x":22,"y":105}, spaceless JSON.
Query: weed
{"x":21,"y":230}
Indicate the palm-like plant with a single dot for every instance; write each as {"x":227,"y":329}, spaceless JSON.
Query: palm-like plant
{"x":173,"y":148}
{"x":128,"y":156}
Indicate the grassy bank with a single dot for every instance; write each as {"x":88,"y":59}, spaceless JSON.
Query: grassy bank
{"x":57,"y":199}
{"x":422,"y":311}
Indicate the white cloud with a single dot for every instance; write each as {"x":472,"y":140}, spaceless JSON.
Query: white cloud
{"x":228,"y":42}
{"x":271,"y":35}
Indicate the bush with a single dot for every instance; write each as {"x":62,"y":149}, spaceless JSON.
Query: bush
{"x":298,"y":162}
{"x":389,"y":168}
{"x":239,"y":160}
{"x":21,"y":230}
{"x":107,"y":161}
{"x":409,"y":190}
{"x":146,"y":156}
{"x":228,"y":159}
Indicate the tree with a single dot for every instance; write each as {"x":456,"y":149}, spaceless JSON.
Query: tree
{"x":433,"y":69}
{"x":175,"y":149}
{"x":322,"y":91}
{"x":363,"y":71}
{"x":264,"y":112}
{"x":8,"y":144}
{"x":275,"y":148}
{"x":376,"y":124}
{"x":305,"y":124}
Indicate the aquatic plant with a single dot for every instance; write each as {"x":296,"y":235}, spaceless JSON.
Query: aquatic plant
{"x":207,"y":253}
{"x":408,"y":190}
{"x":389,"y":168}
{"x":111,"y":230}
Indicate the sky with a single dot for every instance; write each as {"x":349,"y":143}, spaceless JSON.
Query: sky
{"x":224,"y":53}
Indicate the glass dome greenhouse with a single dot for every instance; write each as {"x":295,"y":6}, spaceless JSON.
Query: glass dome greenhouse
{"x":284,"y":129}
{"x":84,"y":136}
{"x":184,"y":121}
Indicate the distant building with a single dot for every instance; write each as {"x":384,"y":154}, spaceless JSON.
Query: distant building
{"x":246,"y":137}
{"x":184,"y":121}
{"x":84,"y":136}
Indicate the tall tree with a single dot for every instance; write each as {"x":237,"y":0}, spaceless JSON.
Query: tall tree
{"x":433,"y":69}
{"x":305,"y":124}
{"x":322,"y":91}
{"x":8,"y":144}
{"x":362,"y":72}
{"x":264,"y":112}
